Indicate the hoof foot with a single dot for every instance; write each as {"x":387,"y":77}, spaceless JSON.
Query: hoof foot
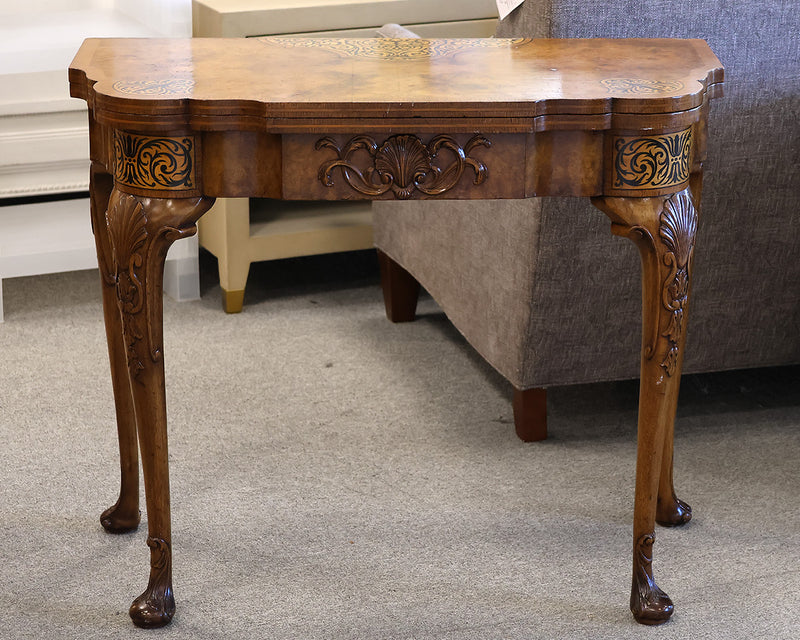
{"x":118,"y":520}
{"x":151,"y":610}
{"x":678,"y":513}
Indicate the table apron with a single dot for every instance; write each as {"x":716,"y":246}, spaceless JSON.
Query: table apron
{"x":400,"y":166}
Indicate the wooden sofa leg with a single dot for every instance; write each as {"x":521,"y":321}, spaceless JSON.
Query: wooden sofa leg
{"x":400,"y":290}
{"x":530,"y":414}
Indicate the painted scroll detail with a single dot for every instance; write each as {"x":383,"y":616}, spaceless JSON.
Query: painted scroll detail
{"x":402,"y":164}
{"x":164,"y":163}
{"x":652,"y":162}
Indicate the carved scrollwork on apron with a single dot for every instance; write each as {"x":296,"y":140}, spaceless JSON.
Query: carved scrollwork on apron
{"x":402,"y":164}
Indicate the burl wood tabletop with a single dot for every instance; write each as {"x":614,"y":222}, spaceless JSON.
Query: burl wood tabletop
{"x":220,"y":80}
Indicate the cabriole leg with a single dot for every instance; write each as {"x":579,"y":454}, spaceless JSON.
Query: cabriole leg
{"x":124,"y":514}
{"x":672,"y":511}
{"x":140,"y":231}
{"x":664,"y":230}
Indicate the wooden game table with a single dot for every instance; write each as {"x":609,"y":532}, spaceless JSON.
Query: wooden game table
{"x":177,"y":123}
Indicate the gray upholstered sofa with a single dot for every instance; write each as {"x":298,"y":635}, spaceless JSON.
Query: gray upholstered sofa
{"x":544,"y":291}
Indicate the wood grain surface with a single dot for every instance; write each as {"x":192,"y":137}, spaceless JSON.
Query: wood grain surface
{"x":525,"y":85}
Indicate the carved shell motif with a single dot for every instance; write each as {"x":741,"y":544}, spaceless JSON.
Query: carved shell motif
{"x":678,"y":226}
{"x":677,"y":229}
{"x":128,"y":239}
{"x":127,"y":223}
{"x":404,"y":162}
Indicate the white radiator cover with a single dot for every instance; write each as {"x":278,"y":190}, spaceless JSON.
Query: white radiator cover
{"x":44,"y":138}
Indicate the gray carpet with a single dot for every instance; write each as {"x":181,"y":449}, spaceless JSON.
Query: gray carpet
{"x":336,"y":476}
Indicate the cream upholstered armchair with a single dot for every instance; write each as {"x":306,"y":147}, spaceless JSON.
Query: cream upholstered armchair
{"x":542,"y":290}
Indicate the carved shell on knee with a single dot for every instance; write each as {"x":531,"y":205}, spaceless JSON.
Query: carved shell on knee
{"x":677,"y":229}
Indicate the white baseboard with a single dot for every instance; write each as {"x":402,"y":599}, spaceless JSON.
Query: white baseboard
{"x":52,"y":237}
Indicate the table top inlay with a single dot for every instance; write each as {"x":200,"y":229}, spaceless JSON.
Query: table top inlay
{"x":222,"y":79}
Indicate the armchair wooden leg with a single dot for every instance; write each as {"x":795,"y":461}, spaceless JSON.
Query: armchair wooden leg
{"x":400,"y":290}
{"x":530,"y":414}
